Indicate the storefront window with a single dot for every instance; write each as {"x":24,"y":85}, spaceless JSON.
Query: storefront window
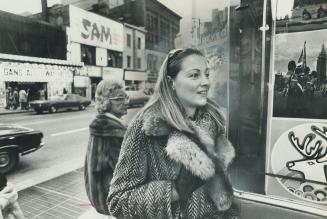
{"x":88,"y":54}
{"x":297,"y":144}
{"x":115,"y":59}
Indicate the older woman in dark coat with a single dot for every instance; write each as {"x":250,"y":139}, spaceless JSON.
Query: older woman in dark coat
{"x":106,"y":135}
{"x":175,"y":156}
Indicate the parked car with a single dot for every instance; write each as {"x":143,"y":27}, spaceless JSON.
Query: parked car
{"x":14,"y":141}
{"x":137,"y":97}
{"x":62,"y":102}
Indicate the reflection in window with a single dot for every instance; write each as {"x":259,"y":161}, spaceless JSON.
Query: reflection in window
{"x":115,"y":59}
{"x":88,"y":54}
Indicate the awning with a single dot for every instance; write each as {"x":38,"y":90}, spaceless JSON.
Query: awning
{"x":19,"y":58}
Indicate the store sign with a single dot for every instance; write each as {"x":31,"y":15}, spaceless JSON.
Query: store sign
{"x":135,"y":76}
{"x":80,"y":81}
{"x":36,"y":73}
{"x":93,"y":71}
{"x":300,"y":157}
{"x":112,"y":73}
{"x":95,"y":30}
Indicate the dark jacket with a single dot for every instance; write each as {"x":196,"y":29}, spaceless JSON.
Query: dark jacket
{"x":152,"y":156}
{"x":106,"y":135}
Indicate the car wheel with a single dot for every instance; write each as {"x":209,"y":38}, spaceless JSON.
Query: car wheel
{"x":8,"y":161}
{"x":81,"y":107}
{"x":53,"y":109}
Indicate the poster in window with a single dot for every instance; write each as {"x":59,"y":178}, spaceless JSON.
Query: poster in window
{"x":300,"y":15}
{"x":300,"y":85}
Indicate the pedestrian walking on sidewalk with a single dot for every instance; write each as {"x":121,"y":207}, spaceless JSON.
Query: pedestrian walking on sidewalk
{"x":106,"y":135}
{"x":175,"y":156}
{"x":23,"y":99}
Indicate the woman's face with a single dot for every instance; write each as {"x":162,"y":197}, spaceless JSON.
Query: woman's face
{"x":192,"y":82}
{"x":119,"y":104}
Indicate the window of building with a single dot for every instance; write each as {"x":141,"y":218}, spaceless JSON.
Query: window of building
{"x":138,"y":63}
{"x":129,"y":61}
{"x":139,"y":43}
{"x":88,"y":54}
{"x":129,"y":40}
{"x":115,"y":59}
{"x":152,"y":63}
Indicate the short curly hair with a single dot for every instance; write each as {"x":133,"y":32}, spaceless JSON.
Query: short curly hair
{"x":105,"y":90}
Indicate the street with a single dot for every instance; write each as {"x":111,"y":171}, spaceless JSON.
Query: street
{"x":65,"y":136}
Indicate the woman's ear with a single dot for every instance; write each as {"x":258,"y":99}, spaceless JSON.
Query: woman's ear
{"x":171,"y":83}
{"x":108,"y":108}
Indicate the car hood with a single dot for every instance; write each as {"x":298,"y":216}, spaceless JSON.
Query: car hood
{"x":9,"y":129}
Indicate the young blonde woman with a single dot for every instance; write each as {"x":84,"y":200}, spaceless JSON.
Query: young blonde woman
{"x":174,"y":157}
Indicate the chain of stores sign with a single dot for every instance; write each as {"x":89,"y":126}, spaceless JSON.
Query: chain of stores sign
{"x":38,"y":73}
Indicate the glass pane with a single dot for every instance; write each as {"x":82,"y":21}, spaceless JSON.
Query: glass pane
{"x":248,"y":93}
{"x":297,"y":144}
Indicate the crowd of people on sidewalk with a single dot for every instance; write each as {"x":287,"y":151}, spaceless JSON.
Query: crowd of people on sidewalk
{"x":16,"y":99}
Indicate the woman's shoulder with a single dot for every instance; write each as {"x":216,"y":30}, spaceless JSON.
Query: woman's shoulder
{"x":151,"y":121}
{"x":104,"y":125}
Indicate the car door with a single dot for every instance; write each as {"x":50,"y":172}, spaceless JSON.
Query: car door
{"x":68,"y":101}
{"x":73,"y":101}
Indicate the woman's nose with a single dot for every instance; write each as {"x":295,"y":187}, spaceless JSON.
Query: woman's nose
{"x":205,"y":80}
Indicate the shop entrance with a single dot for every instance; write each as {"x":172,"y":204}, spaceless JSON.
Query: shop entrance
{"x":94,"y":82}
{"x":35,"y":90}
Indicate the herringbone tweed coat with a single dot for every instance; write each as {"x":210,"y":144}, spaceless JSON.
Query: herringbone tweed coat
{"x":106,"y":136}
{"x":152,"y":155}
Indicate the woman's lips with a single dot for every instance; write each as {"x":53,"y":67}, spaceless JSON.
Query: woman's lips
{"x":203,"y":92}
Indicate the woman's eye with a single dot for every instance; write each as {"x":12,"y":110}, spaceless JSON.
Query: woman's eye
{"x":207,"y":75}
{"x":194,"y":75}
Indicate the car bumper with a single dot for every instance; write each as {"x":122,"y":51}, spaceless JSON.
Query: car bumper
{"x":33,"y":149}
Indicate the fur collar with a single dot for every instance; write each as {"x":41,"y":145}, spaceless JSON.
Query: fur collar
{"x":107,"y":125}
{"x":191,"y":150}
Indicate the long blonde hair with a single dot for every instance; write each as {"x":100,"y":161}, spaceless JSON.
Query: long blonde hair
{"x":171,"y":108}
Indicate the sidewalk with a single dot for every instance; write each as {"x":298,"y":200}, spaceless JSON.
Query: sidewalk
{"x":4,"y":111}
{"x":63,"y":197}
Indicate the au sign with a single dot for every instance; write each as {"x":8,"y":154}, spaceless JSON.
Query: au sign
{"x":94,"y":32}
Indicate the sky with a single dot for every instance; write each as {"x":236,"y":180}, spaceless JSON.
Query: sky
{"x":183,"y":8}
{"x":294,"y":44}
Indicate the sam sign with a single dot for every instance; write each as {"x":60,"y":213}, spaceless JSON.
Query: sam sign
{"x":91,"y":29}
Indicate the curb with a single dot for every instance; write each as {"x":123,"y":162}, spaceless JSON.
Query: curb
{"x":15,"y":112}
{"x":26,"y":111}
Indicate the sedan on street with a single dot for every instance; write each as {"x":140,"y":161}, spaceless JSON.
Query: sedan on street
{"x":14,"y":141}
{"x":137,"y":97}
{"x":63,"y":102}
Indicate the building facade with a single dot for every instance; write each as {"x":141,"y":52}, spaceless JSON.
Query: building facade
{"x":33,"y":58}
{"x":322,"y":65}
{"x":161,"y":24}
{"x":97,"y":42}
{"x":134,"y":60}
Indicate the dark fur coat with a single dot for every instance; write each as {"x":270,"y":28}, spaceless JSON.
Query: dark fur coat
{"x":152,"y":156}
{"x":106,"y":136}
